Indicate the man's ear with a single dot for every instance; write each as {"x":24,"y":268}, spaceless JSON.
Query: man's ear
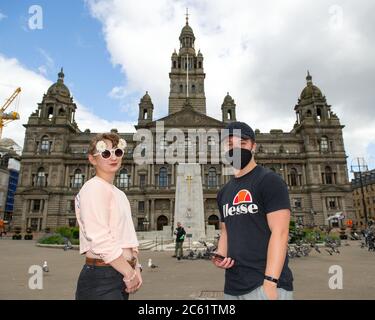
{"x":253,"y":149}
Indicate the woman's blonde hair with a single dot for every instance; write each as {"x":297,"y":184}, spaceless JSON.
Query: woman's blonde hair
{"x":113,"y":137}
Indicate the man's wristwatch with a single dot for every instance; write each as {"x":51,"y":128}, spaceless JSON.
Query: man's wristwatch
{"x":271,"y":279}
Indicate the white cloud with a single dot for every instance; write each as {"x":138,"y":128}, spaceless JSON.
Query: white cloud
{"x":258,"y":51}
{"x":13,"y":74}
{"x":2,"y":16}
{"x":49,"y":63}
{"x":118,"y":92}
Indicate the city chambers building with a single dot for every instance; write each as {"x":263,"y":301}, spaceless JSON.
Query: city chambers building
{"x":310,"y":157}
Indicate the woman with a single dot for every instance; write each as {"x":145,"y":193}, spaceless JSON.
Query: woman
{"x":107,"y":235}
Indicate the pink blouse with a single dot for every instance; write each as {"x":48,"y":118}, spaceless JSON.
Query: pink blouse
{"x":104,"y":217}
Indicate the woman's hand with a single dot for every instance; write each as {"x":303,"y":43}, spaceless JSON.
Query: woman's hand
{"x":131,"y":282}
{"x":140,"y":281}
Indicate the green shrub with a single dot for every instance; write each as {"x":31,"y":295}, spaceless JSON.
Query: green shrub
{"x":61,"y":233}
{"x":65,"y":232}
{"x":52,"y":239}
{"x":75,"y":233}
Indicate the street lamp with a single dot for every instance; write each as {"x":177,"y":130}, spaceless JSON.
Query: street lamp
{"x":358,"y":168}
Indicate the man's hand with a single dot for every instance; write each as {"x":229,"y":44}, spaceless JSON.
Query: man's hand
{"x":270,"y":289}
{"x":226,"y":263}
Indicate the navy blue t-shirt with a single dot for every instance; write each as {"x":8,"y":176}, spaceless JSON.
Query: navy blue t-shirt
{"x":244,"y":203}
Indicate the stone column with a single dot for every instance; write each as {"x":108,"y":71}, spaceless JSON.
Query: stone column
{"x":304,"y":178}
{"x":45,"y":206}
{"x":132,"y":178}
{"x":66,"y":176}
{"x":49,"y":181}
{"x":153,"y":175}
{"x":173,"y":171}
{"x":222,"y":180}
{"x":24,"y":212}
{"x":338,"y":176}
{"x":147,"y":210}
{"x":152,"y":215}
{"x":319,"y":181}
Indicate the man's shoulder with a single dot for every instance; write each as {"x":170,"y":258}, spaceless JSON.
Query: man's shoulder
{"x":268,"y":176}
{"x":223,"y":189}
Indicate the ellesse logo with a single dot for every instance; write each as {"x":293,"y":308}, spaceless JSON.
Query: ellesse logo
{"x":243,"y":196}
{"x":242,"y":204}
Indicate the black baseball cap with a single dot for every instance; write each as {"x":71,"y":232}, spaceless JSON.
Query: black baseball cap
{"x":244,"y":130}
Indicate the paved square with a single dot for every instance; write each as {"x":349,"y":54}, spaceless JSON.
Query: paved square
{"x":181,"y":279}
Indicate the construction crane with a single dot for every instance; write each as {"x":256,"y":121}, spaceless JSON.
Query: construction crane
{"x":5,"y":117}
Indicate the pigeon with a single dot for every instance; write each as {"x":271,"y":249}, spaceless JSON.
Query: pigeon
{"x":151,"y":265}
{"x":45,"y":267}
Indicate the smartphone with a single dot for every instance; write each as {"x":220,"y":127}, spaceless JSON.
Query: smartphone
{"x":217,"y":256}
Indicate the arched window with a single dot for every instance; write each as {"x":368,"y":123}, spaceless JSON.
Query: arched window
{"x":211,"y":143}
{"x":181,"y":88}
{"x":193,"y":88}
{"x":77,"y":179}
{"x":188,"y":144}
{"x":308,"y":113}
{"x":144,"y":114}
{"x":174,"y":64}
{"x":44,"y":145}
{"x":200,"y":64}
{"x":319,"y":114}
{"x":212,"y":178}
{"x":50,"y":113}
{"x":229,"y":115}
{"x":324,"y":144}
{"x":293,"y":177}
{"x":214,"y":220}
{"x":123,"y":179}
{"x":41,"y":178}
{"x":161,"y":222}
{"x":163,"y":177}
{"x":328,"y":179}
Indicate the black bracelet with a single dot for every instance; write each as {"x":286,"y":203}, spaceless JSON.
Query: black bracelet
{"x":271,"y":279}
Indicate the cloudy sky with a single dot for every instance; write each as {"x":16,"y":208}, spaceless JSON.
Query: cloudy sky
{"x":113,"y":51}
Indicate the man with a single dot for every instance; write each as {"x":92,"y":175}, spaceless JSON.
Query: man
{"x":180,"y":237}
{"x":2,"y":228}
{"x":255,"y":213}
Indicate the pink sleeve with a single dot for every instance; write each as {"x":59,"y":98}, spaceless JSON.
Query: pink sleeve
{"x":95,"y":208}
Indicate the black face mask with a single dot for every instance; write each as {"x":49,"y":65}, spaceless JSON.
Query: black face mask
{"x":238,"y":158}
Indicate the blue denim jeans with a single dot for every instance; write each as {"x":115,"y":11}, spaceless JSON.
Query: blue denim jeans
{"x":259,"y":294}
{"x":100,"y":283}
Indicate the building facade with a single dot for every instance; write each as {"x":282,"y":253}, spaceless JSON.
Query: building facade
{"x":364,"y":196}
{"x":311,"y":157}
{"x":9,"y":172}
